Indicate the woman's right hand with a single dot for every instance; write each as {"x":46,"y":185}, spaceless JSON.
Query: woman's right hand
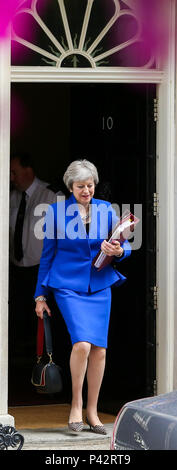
{"x":41,"y":306}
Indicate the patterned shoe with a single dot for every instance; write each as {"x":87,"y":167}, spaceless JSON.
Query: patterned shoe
{"x":75,"y":427}
{"x":98,"y":429}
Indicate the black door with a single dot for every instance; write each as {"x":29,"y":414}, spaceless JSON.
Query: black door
{"x":112,"y":125}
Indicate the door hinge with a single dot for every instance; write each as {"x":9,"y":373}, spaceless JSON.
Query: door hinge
{"x":155,"y":297}
{"x":155,"y":204}
{"x":155,"y":387}
{"x":156,"y":109}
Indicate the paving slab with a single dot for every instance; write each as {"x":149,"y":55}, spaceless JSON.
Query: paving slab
{"x":62,"y":439}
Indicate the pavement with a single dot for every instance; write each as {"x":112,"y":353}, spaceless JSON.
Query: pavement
{"x":62,"y":439}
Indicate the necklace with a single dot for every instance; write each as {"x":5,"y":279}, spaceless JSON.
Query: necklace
{"x":85,"y":217}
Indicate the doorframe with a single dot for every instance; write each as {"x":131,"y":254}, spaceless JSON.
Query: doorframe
{"x":165,"y":83}
{"x":86,"y":75}
{"x":166,"y":150}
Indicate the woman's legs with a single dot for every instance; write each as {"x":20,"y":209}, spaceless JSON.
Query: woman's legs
{"x":78,"y":367}
{"x":85,"y":356}
{"x":84,"y":350}
{"x":95,"y":372}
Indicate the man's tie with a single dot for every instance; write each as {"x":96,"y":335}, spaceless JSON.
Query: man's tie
{"x":18,"y":249}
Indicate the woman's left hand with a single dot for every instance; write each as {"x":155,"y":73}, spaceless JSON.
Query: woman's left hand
{"x":112,"y":249}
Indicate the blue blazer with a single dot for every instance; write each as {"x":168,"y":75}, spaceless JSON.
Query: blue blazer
{"x":66,"y":260}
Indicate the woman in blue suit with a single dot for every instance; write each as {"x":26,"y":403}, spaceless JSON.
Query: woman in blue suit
{"x":76,"y":229}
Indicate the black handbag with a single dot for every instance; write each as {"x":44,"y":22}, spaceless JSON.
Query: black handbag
{"x":46,"y":377}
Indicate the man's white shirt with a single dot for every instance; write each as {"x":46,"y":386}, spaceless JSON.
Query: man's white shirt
{"x":36,"y":194}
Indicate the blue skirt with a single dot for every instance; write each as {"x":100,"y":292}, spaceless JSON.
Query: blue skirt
{"x":86,"y":314}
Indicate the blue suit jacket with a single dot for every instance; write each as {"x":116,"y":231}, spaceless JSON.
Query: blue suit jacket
{"x":68,"y":251}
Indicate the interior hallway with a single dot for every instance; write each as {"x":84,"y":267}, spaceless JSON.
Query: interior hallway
{"x":47,"y":416}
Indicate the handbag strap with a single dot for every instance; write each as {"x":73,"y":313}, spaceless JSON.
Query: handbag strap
{"x":48,"y":333}
{"x":40,"y":338}
{"x":44,"y":328}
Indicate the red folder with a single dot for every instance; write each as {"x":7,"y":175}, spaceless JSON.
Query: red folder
{"x":121,"y":232}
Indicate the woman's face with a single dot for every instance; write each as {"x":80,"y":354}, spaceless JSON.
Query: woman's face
{"x":83,"y":191}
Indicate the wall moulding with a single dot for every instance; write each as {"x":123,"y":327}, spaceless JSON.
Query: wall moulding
{"x":103,"y":74}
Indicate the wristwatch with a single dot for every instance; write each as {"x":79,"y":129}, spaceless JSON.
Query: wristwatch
{"x":41,"y":298}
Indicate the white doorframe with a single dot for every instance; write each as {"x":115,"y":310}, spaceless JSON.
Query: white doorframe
{"x":98,"y":75}
{"x":5,"y":418}
{"x":166,"y":223}
{"x":165,"y":135}
{"x":165,"y":239}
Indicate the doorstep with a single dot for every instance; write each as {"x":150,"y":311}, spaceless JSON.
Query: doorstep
{"x":62,"y":439}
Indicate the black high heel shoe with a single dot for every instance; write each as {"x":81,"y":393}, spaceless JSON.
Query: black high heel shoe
{"x":98,"y":428}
